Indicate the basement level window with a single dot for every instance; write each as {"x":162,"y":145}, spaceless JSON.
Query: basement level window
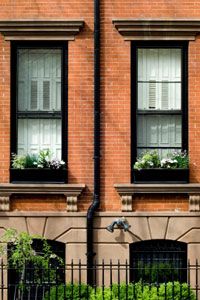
{"x":158,"y":261}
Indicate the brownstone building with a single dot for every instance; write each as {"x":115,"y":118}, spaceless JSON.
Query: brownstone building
{"x":148,"y":99}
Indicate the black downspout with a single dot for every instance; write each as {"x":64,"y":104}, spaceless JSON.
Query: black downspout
{"x":96,"y":197}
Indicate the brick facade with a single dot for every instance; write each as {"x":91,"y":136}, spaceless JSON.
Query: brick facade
{"x":115,"y":127}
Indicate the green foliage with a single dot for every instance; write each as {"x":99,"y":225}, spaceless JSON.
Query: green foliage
{"x":22,"y":256}
{"x":24,"y":161}
{"x":69,"y":291}
{"x":41,"y":160}
{"x":156,"y":271}
{"x":18,"y":161}
{"x":136,"y":291}
{"x":182,"y":159}
{"x":151,"y":159}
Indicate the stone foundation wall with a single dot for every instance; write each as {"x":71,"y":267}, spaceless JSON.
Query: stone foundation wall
{"x":70,"y":228}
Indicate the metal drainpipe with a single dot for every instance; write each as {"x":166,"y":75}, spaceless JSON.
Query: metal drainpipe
{"x":96,"y":196}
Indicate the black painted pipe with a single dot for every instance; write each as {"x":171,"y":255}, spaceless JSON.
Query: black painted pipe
{"x":96,"y":196}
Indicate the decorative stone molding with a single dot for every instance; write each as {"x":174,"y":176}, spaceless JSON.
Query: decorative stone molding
{"x":70,"y":191}
{"x":194,"y":202}
{"x":171,"y":29}
{"x":127,"y":191}
{"x":71,"y":203}
{"x":126,"y":202}
{"x":40,"y":29}
{"x":4,"y":202}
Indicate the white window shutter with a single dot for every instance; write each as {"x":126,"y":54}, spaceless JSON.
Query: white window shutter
{"x":152,"y":95}
{"x":46,"y":95}
{"x":165,"y":96}
{"x":34,"y":95}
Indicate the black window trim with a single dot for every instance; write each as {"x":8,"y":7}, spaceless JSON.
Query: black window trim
{"x":64,"y":90}
{"x":183,"y":45}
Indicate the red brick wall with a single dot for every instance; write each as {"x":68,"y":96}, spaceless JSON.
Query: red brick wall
{"x":115,"y":96}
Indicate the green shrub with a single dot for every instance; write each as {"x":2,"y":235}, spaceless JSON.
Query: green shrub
{"x":136,"y":291}
{"x":69,"y":291}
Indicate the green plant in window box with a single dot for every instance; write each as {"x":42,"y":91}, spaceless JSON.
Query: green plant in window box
{"x":35,"y":168}
{"x":150,"y":168}
{"x":42,"y":160}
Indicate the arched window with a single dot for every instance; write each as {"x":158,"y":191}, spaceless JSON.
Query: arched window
{"x":158,"y":261}
{"x":35,"y":278}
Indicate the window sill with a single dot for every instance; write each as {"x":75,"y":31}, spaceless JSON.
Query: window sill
{"x":127,"y":191}
{"x":70,"y":191}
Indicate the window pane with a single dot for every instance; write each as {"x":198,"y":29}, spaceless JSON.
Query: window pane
{"x":39,"y":90}
{"x":37,"y":134}
{"x":154,"y":95}
{"x":159,"y":88}
{"x":159,"y":79}
{"x":39,"y":79}
{"x":159,"y":131}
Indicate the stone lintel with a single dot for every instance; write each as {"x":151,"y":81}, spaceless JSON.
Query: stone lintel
{"x":126,"y":192}
{"x":70,"y":191}
{"x":155,"y":29}
{"x":40,"y":29}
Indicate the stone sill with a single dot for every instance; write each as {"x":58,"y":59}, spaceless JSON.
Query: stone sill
{"x":126,"y":192}
{"x":70,"y":191}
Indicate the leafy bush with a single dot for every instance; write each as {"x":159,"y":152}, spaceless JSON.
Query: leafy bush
{"x":69,"y":291}
{"x":157,"y":271}
{"x":29,"y":264}
{"x":132,"y":291}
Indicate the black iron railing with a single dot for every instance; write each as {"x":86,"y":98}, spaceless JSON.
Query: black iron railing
{"x":112,"y":280}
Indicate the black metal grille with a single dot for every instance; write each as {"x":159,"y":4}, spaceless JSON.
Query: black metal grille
{"x":159,"y":261}
{"x":112,"y":281}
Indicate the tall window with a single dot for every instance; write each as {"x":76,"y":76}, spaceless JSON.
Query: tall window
{"x":38,"y":92}
{"x":159,"y":92}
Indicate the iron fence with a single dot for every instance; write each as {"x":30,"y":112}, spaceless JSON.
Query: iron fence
{"x":112,"y":280}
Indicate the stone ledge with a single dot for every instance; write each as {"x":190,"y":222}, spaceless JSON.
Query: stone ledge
{"x":168,"y":29}
{"x":70,"y":191}
{"x":40,"y":29}
{"x":126,"y":192}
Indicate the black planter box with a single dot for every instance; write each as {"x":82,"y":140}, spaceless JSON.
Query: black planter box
{"x":38,"y":175}
{"x":161,"y":175}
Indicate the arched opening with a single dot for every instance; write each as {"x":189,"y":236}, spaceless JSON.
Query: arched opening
{"x":36,"y":277}
{"x":158,"y":261}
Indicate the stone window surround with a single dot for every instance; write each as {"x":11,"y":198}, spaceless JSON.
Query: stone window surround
{"x":158,"y":30}
{"x":70,"y":191}
{"x":45,"y":30}
{"x":127,"y":192}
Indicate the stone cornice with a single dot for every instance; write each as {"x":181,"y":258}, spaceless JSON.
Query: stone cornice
{"x":70,"y":191}
{"x":151,"y":29}
{"x":40,"y":29}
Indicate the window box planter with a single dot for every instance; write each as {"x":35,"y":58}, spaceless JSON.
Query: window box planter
{"x":35,"y":175}
{"x":161,"y":175}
